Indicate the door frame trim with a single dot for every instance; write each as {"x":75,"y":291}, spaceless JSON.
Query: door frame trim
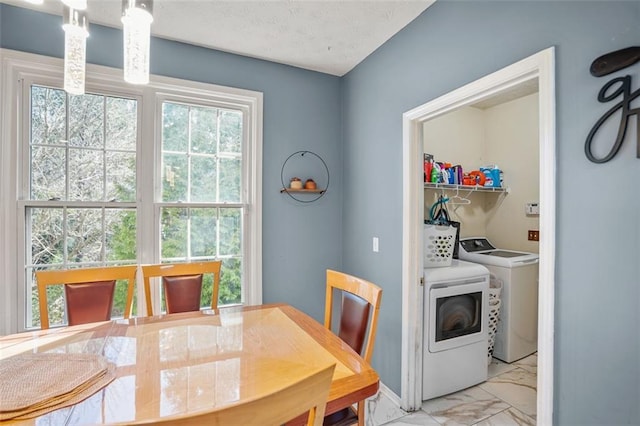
{"x":540,"y":66}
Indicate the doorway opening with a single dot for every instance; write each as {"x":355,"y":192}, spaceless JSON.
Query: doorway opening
{"x":538,"y":68}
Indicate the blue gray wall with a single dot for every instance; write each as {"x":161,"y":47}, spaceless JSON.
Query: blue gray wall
{"x":301,"y":112}
{"x":597,"y":334}
{"x":355,"y":124}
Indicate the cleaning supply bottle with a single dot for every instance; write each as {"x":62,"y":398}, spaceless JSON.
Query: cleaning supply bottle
{"x":435,"y":173}
{"x":492,"y":173}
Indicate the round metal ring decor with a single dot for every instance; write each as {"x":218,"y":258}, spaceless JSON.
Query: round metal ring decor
{"x":297,"y":194}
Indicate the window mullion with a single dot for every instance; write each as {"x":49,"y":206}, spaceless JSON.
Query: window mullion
{"x":65,"y":237}
{"x":189,"y":158}
{"x":104,"y":148}
{"x":218,"y":122}
{"x":189,"y":182}
{"x":67,"y":183}
{"x":67,"y":153}
{"x":217,"y":233}
{"x":148,"y":172}
{"x":103,"y":250}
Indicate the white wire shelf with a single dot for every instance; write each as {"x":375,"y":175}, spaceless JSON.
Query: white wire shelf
{"x":470,"y":188}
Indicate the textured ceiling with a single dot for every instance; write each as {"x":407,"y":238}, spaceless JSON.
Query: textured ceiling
{"x":330,"y":36}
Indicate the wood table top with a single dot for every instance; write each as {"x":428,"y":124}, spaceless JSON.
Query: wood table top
{"x":173,"y":366}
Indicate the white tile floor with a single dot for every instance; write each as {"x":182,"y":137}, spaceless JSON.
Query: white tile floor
{"x":508,"y":397}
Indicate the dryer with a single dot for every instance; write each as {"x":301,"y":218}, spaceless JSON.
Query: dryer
{"x":455,"y":332}
{"x":517,"y":331}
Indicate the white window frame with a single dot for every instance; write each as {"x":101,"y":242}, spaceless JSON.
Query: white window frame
{"x":18,"y":67}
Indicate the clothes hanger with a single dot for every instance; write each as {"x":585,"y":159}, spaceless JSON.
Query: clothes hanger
{"x":457,"y":200}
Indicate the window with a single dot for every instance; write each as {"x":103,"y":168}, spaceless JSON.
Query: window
{"x":86,"y":195}
{"x":79,"y":210}
{"x":201,"y":191}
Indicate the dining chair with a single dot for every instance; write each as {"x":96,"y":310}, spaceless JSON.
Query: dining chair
{"x":358,"y":321}
{"x":88,"y":292}
{"x":182,"y":284}
{"x":307,"y":395}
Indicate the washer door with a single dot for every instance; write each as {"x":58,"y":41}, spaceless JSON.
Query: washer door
{"x":457,"y":315}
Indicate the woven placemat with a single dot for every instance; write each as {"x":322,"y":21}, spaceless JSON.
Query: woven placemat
{"x":34,"y":384}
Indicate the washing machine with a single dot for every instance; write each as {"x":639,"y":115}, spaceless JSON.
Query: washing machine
{"x":455,"y":334}
{"x":517,"y":330}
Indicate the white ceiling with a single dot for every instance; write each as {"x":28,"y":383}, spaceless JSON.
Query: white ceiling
{"x":330,"y":36}
{"x":520,"y":90}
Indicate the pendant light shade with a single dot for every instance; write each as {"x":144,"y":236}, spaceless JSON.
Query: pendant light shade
{"x":75,"y":26}
{"x":137,"y":16}
{"x":136,"y":19}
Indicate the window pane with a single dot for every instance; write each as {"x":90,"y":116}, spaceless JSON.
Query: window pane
{"x":47,"y":239}
{"x":230,"y":176}
{"x":207,"y":291}
{"x":231,"y":131}
{"x":204,"y":130}
{"x":121,"y":126}
{"x":86,"y":175}
{"x":213,"y":178}
{"x":47,"y":173}
{"x":86,"y":121}
{"x":230,"y":231}
{"x":55,"y":303}
{"x":120,"y":299}
{"x":230,"y":282}
{"x":84,"y":235}
{"x":175,"y":127}
{"x":120,"y":238}
{"x":203,"y":179}
{"x":203,"y":232}
{"x":121,"y":176}
{"x":174,"y":177}
{"x":174,"y":233}
{"x":82,"y":163}
{"x":31,"y":293}
{"x":48,"y":115}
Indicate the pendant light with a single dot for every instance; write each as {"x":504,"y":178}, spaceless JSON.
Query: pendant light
{"x":136,"y":19}
{"x":75,"y":26}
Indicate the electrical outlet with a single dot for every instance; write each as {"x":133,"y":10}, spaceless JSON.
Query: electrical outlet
{"x":533,"y":235}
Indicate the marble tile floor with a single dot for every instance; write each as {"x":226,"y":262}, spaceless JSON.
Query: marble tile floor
{"x":508,"y":397}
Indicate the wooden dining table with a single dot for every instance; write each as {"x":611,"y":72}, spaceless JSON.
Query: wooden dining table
{"x":178,"y":365}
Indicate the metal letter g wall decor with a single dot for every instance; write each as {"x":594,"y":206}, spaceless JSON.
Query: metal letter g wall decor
{"x":604,"y":65}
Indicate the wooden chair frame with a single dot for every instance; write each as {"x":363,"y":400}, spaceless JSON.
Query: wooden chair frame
{"x":365,"y":290}
{"x":63,"y":277}
{"x":274,"y":409}
{"x":180,"y":269}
